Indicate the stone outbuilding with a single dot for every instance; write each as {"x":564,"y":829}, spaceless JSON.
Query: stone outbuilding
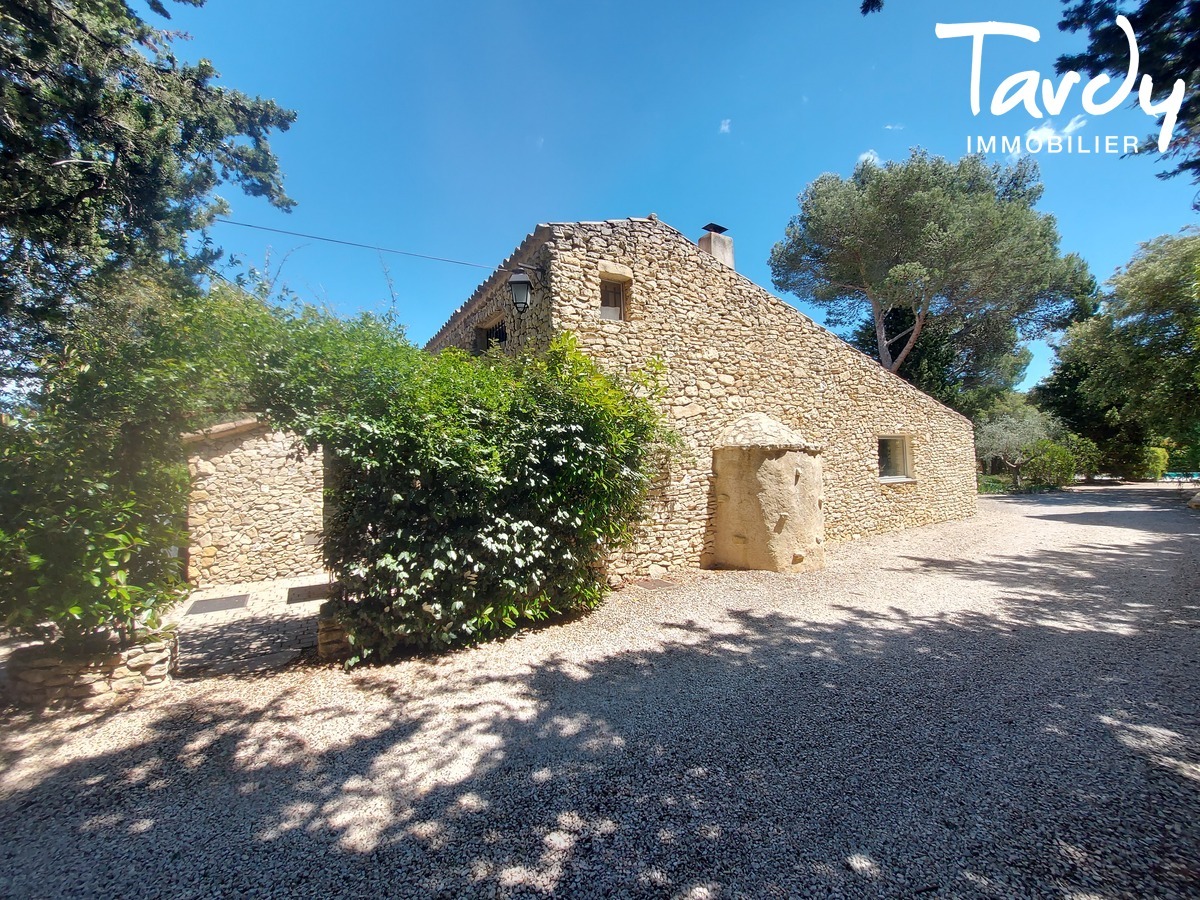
{"x":767,"y":488}
{"x":759,"y":393}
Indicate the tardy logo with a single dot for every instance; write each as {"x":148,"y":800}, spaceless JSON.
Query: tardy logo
{"x":1021,"y":88}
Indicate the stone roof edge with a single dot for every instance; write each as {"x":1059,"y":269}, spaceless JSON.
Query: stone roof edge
{"x":538,"y":236}
{"x":791,"y":309}
{"x":803,"y":446}
{"x":542,"y":233}
{"x":846,"y":345}
{"x":225,"y":429}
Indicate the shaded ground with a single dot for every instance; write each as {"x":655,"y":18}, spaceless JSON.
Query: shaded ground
{"x":994,"y":708}
{"x":277,"y":623}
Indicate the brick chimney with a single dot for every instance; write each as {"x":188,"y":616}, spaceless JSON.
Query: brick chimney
{"x":717,"y":243}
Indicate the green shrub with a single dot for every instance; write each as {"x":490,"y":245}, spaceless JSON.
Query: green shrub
{"x":992,"y":484}
{"x":93,"y":483}
{"x":469,"y":493}
{"x":1151,"y":465}
{"x":1050,"y":465}
{"x":1183,"y":457}
{"x":83,"y":547}
{"x":1087,"y":454}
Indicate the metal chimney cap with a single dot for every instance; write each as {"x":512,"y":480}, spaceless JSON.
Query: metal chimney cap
{"x":715,"y":228}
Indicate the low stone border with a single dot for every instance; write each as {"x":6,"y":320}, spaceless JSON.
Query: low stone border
{"x":44,"y":676}
{"x":333,"y":644}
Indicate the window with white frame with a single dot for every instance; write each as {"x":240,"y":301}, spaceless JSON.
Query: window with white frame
{"x":895,"y":458}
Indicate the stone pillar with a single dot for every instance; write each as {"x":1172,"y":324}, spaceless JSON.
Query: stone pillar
{"x":333,"y":644}
{"x":769,"y":512}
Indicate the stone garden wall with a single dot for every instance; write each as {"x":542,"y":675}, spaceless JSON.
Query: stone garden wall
{"x":41,"y":676}
{"x":732,"y":348}
{"x":256,"y":509}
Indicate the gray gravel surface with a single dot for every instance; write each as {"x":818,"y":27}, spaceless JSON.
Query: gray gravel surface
{"x":1002,"y":707}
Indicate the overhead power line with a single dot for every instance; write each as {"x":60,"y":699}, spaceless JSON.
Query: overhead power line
{"x":329,"y":240}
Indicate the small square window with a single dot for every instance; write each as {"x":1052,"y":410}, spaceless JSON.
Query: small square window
{"x":895,"y":459}
{"x":486,"y":336}
{"x":613,"y":300}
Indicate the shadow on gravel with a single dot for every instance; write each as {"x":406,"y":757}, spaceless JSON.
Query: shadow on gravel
{"x":1047,"y":750}
{"x":1139,"y":507}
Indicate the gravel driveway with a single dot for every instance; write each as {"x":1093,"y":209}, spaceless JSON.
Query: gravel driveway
{"x":1002,"y":707}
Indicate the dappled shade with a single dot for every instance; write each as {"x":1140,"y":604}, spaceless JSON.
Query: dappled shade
{"x":870,"y":751}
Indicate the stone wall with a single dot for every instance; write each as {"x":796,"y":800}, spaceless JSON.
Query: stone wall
{"x":732,"y":348}
{"x":256,"y":509}
{"x":43,"y":676}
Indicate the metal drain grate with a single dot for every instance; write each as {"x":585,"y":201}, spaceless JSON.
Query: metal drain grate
{"x":218,"y":604}
{"x":309,"y":592}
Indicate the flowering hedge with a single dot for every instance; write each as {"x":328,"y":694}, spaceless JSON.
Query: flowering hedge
{"x":468,"y":494}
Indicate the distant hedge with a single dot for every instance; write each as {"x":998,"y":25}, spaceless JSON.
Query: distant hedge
{"x":469,"y":494}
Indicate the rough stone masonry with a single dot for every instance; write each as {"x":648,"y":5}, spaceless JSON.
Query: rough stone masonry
{"x":730,"y":348}
{"x":256,"y":509}
{"x":632,"y":290}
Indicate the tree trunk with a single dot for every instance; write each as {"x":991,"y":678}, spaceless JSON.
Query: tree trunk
{"x":889,"y":362}
{"x":885,"y":352}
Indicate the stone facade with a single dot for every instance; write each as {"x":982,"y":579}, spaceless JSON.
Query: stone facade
{"x":730,"y":348}
{"x":41,"y":676}
{"x":256,"y":509}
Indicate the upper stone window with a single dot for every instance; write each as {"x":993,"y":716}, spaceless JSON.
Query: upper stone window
{"x":895,"y":458}
{"x":613,"y":300}
{"x":493,"y":333}
{"x":616,"y":282}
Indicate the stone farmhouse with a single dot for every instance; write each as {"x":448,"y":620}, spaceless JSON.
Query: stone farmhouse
{"x":791,"y":437}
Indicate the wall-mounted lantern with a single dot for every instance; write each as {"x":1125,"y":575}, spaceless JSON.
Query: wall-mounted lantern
{"x":520,"y":285}
{"x":519,"y":288}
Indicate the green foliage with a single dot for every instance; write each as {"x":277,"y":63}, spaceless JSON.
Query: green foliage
{"x":1086,"y":453}
{"x":1141,"y":355}
{"x":1119,"y":441}
{"x":110,"y":152}
{"x":471,"y":493}
{"x":1131,"y":375}
{"x":1182,"y":457}
{"x":81,"y":553}
{"x":1167,"y":33}
{"x":1050,"y":464}
{"x":1152,"y":464}
{"x":968,"y":369}
{"x":992,"y":484}
{"x":1012,"y":435}
{"x":93,"y":484}
{"x":959,"y":244}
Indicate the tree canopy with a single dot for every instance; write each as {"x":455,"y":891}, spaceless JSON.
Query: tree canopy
{"x":967,"y":365}
{"x":1169,"y":34}
{"x":1137,"y":363}
{"x":925,"y":240}
{"x":1014,"y":432}
{"x":111,"y":150}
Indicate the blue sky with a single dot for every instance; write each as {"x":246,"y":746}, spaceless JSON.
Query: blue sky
{"x":452,"y":129}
